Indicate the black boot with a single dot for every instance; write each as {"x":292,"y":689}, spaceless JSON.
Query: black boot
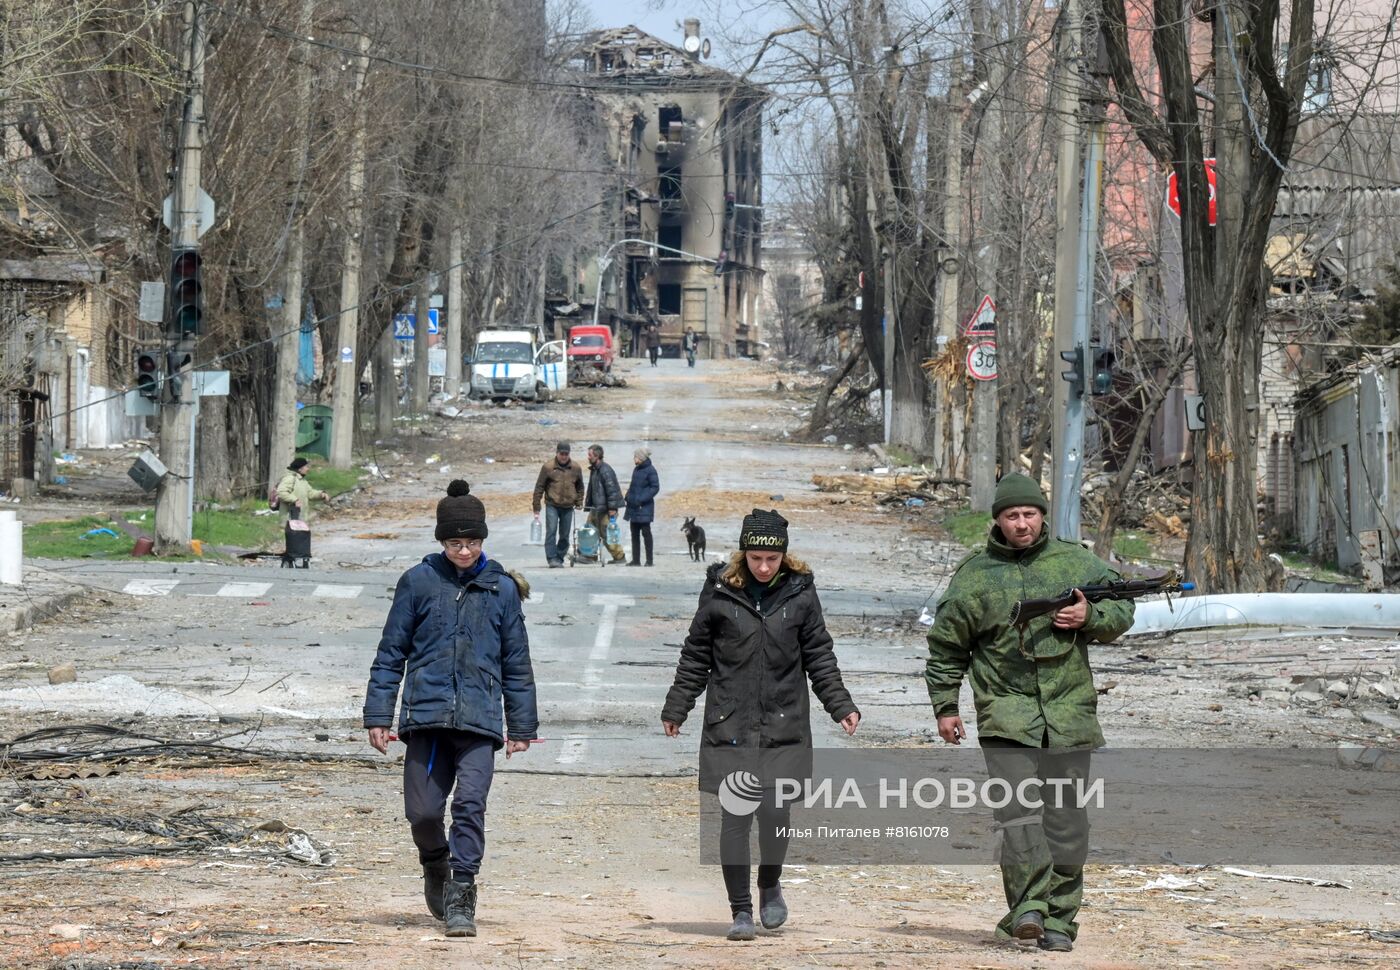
{"x":1056,"y":942}
{"x":434,"y":875}
{"x":772,"y":908}
{"x":1029,"y":926}
{"x":459,"y":905}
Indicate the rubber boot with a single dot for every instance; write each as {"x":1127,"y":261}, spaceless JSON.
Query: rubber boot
{"x":459,"y":908}
{"x":434,"y":875}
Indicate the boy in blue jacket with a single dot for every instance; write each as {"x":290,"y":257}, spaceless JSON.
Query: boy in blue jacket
{"x":457,"y":629}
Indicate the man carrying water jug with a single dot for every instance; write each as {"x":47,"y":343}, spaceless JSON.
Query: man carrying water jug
{"x":603,"y":499}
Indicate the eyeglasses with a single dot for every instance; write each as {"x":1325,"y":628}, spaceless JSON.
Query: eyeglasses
{"x":461,"y":545}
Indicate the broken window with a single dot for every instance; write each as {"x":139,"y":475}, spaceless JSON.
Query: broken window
{"x":668,"y":298}
{"x":668,"y":183}
{"x":670,"y":237}
{"x":670,"y":122}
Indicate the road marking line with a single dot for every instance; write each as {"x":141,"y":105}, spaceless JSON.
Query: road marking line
{"x":574,"y":750}
{"x":243,"y":589}
{"x":332,"y":591}
{"x":150,"y":587}
{"x":649,"y":406}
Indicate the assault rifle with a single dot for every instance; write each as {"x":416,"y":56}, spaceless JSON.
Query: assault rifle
{"x":1024,"y":611}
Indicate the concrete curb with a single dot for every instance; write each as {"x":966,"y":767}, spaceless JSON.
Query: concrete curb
{"x":20,"y":618}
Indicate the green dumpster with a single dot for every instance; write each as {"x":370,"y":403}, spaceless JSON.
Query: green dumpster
{"x":314,"y":430}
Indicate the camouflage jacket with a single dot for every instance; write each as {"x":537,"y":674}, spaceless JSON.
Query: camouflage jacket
{"x":1027,"y":688}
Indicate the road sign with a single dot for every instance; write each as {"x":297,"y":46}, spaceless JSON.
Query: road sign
{"x":152,"y":309}
{"x":211,"y":383}
{"x":982,"y":360}
{"x":983,"y":319}
{"x":1174,"y":194}
{"x":205,"y":213}
{"x":404,"y":324}
{"x":1195,"y":412}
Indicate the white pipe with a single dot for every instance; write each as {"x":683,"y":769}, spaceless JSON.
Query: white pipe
{"x":11,"y":549}
{"x":1269,"y":609}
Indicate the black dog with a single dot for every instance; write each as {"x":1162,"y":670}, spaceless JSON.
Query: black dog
{"x":695,"y":536}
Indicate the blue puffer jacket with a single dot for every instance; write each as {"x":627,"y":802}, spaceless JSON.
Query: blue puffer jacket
{"x":641,"y":494}
{"x":461,"y":644}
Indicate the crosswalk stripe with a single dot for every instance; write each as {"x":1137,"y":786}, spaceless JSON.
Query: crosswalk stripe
{"x":150,"y":587}
{"x":332,"y":591}
{"x":243,"y":589}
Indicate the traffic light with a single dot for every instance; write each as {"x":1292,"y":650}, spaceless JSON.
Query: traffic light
{"x":186,"y":294}
{"x":148,"y":374}
{"x":176,"y":364}
{"x":1075,"y":375}
{"x":1102,"y":381}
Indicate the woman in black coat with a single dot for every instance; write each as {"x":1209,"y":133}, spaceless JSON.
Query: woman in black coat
{"x":758,"y":636}
{"x":641,"y":504}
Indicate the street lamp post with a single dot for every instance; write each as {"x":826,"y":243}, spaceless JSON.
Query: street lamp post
{"x":605,"y":261}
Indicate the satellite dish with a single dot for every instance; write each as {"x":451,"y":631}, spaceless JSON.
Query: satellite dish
{"x":691,"y":44}
{"x":705,"y":49}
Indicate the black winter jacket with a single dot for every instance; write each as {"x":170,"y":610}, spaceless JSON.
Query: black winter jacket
{"x":604,"y":493}
{"x":754,"y":669}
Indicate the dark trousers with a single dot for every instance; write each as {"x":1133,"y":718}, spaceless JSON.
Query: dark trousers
{"x":640,"y":531}
{"x":1042,"y":849}
{"x":653,"y":353}
{"x":439,"y":763}
{"x":734,"y":852}
{"x":558,"y":525}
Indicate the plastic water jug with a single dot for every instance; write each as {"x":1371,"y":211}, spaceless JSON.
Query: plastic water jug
{"x":614,"y":533}
{"x":588,"y":542}
{"x":536,"y":532}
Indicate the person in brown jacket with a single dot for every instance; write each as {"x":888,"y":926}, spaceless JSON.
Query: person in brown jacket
{"x":560,"y":489}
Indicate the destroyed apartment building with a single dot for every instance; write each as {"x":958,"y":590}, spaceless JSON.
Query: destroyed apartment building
{"x":687,"y":143}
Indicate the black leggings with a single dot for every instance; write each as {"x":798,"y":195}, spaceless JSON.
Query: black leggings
{"x":734,"y":845}
{"x":640,"y":531}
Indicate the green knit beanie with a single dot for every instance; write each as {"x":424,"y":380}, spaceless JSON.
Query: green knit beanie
{"x":1014,"y":490}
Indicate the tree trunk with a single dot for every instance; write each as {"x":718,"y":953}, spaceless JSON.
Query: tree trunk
{"x":215,"y":473}
{"x":823,"y":402}
{"x":386,"y":386}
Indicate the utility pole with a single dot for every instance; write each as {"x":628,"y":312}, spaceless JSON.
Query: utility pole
{"x":1067,"y":425}
{"x":452,"y":381}
{"x":347,"y":374}
{"x":421,"y":310}
{"x":947,"y":415}
{"x":284,"y":394}
{"x":174,"y":520}
{"x":982,"y":470}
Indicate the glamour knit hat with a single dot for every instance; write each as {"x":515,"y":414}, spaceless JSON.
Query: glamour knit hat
{"x":1014,"y":490}
{"x":764,"y":532}
{"x":297,"y":464}
{"x":460,"y":515}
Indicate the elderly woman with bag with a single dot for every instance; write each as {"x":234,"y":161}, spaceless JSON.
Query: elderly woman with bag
{"x":757,"y":638}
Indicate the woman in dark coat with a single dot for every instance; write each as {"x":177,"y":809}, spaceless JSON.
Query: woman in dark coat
{"x":641,"y":503}
{"x":757,"y":637}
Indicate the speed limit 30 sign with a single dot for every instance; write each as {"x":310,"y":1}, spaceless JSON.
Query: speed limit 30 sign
{"x":982,"y":360}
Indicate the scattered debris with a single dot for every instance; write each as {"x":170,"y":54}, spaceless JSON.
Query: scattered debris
{"x":63,"y":674}
{"x":1279,"y":877}
{"x":375,"y":535}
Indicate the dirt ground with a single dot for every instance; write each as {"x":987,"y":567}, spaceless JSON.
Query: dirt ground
{"x":599,"y":870}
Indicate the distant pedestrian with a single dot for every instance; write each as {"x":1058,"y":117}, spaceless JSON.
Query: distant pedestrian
{"x":756,"y":640}
{"x":641,"y":503}
{"x":691,"y":343}
{"x":294,"y":492}
{"x":653,"y":343}
{"x":604,"y":499}
{"x":560,"y":489}
{"x":458,"y":628}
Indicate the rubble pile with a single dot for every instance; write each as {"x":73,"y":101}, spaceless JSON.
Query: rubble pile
{"x":910,"y":490}
{"x":1157,"y":503}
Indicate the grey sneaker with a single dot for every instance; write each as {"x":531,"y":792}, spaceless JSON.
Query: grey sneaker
{"x":459,"y":906}
{"x":743,"y":929}
{"x":434,"y":875}
{"x":1056,"y":942}
{"x":772,"y":909}
{"x":1029,"y":926}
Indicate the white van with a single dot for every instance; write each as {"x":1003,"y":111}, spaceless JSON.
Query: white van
{"x":510,"y":364}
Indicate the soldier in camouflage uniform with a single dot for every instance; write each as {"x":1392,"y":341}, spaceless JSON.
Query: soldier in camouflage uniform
{"x":1031,"y":692}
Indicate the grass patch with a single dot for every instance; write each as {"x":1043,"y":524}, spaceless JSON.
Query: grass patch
{"x":64,"y":539}
{"x":969,"y":528}
{"x":1132,"y":545}
{"x":334,"y":481}
{"x":1327,"y":573}
{"x":900,"y":457}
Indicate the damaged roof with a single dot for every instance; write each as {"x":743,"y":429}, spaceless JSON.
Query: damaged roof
{"x":632,"y":56}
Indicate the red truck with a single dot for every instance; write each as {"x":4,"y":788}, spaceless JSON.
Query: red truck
{"x":591,"y":346}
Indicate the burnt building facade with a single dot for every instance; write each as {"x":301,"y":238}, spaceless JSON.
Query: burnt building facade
{"x":683,"y":233}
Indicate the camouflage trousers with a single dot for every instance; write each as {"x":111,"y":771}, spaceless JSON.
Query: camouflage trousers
{"x":1042,"y":850}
